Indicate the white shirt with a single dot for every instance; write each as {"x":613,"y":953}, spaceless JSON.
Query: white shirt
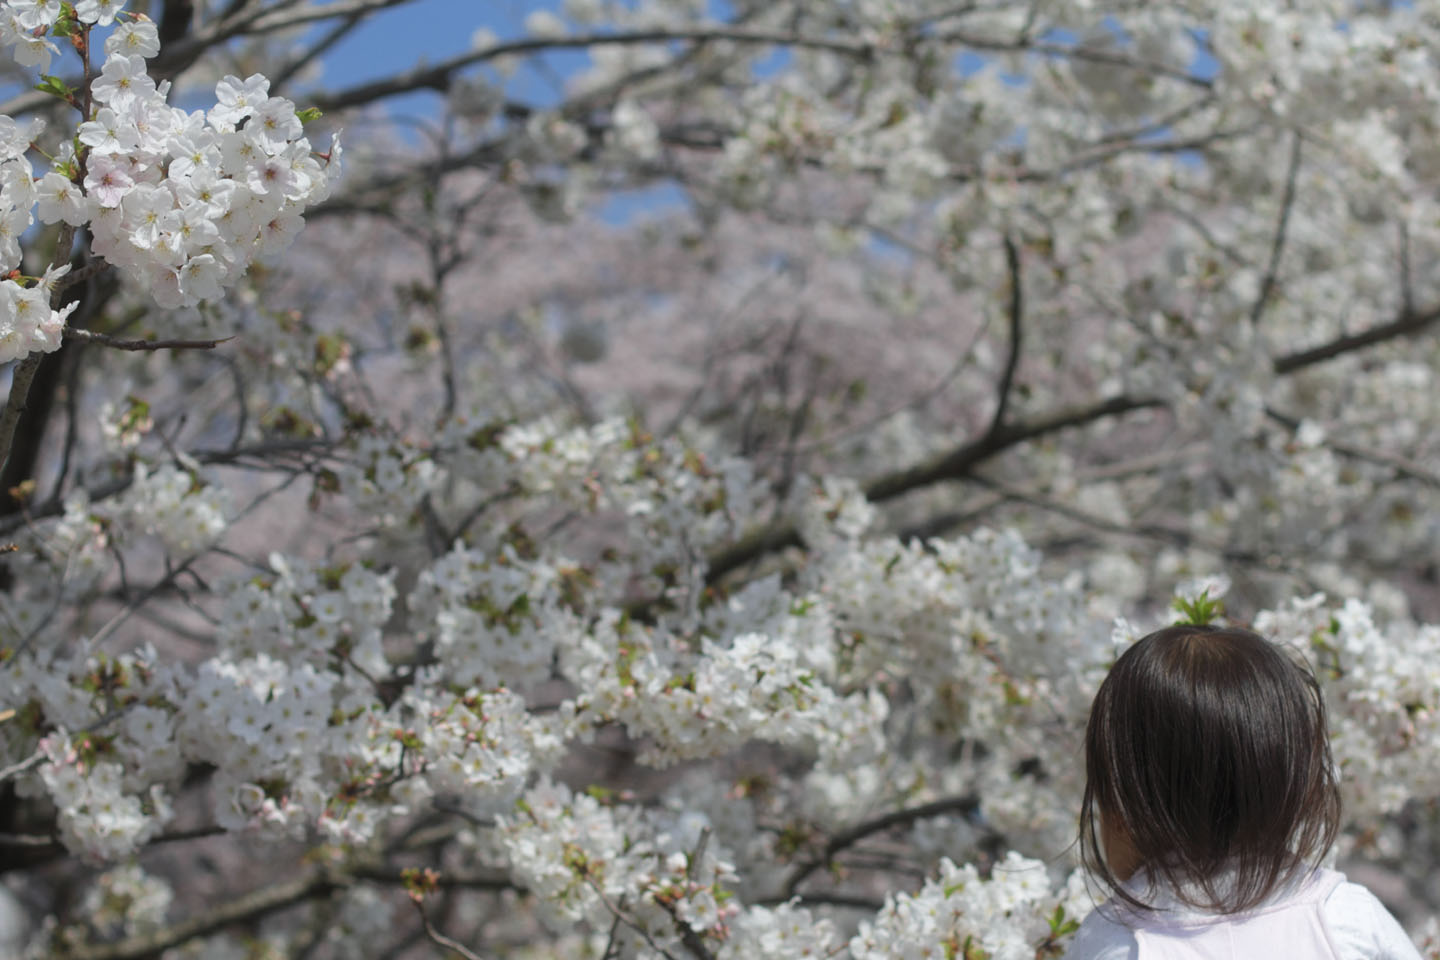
{"x":1356,"y":924}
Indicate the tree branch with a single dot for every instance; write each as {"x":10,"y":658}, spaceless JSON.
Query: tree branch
{"x":619,"y":914}
{"x":233,"y":455}
{"x":1406,"y":324}
{"x":24,"y":374}
{"x":1077,"y":52}
{"x":959,"y":462}
{"x":256,"y":904}
{"x":842,"y":841}
{"x":1007,"y":379}
{"x":92,"y":269}
{"x":105,"y":340}
{"x":15,"y":769}
{"x":337,"y":33}
{"x":251,"y":906}
{"x":20,"y":381}
{"x":1403,"y":467}
{"x":691,"y":940}
{"x":954,"y":465}
{"x":1277,"y":246}
{"x":440,"y":939}
{"x":440,"y":76}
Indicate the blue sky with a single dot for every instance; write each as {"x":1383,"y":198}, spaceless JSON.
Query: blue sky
{"x":394,"y":40}
{"x":437,"y":29}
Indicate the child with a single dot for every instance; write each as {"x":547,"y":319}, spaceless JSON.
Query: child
{"x":1211,"y":790}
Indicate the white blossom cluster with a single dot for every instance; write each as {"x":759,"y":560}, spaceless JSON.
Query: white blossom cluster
{"x":387,"y":479}
{"x":24,"y":25}
{"x":583,"y":857}
{"x":185,"y":513}
{"x":482,"y":748}
{"x":103,"y":728}
{"x":27,"y":323}
{"x":711,"y":701}
{"x":1382,"y":689}
{"x":785,"y":932}
{"x":1014,"y":915}
{"x":677,"y":501}
{"x":497,"y":621}
{"x":182,"y":202}
{"x":300,"y":741}
{"x":306,"y":613}
{"x":127,"y":899}
{"x":228,"y":194}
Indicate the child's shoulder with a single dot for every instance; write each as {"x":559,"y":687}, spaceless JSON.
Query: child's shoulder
{"x":1357,"y":922}
{"x":1360,"y":926}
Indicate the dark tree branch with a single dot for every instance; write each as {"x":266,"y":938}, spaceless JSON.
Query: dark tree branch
{"x":691,"y":940}
{"x":322,"y":46}
{"x":1277,"y":246}
{"x":233,"y":455}
{"x":251,"y":906}
{"x":1007,"y":378}
{"x":441,"y":75}
{"x":105,"y":340}
{"x":259,"y":903}
{"x":954,"y":465}
{"x":1408,"y":469}
{"x":1078,"y":52}
{"x":961,"y":461}
{"x":1144,"y":531}
{"x":175,"y":22}
{"x":25,"y":370}
{"x":618,"y":912}
{"x":966,"y":804}
{"x":256,"y":20}
{"x":1407,"y":287}
{"x":1407,"y":324}
{"x":869,"y":904}
{"x":92,"y":269}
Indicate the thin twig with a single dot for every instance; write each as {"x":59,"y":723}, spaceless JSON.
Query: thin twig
{"x":440,"y":939}
{"x":92,"y":269}
{"x":691,"y":940}
{"x":15,"y":769}
{"x":628,"y":920}
{"x":105,"y":340}
{"x":1403,"y":467}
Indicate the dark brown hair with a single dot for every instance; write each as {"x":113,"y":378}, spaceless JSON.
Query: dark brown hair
{"x":1208,"y":748}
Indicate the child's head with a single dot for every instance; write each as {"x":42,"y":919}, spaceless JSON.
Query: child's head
{"x":1207,"y":750}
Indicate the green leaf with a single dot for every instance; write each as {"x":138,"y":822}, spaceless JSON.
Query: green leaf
{"x":65,"y":25}
{"x":1198,"y":611}
{"x":55,"y":87}
{"x":309,"y":114}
